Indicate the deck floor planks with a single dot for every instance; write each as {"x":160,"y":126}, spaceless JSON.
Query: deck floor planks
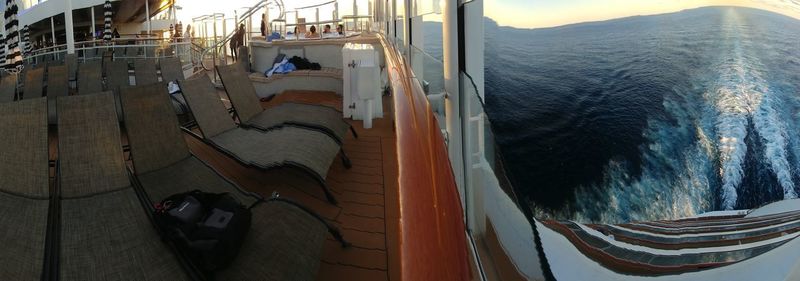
{"x":361,"y":192}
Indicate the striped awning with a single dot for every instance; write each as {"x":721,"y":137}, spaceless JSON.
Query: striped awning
{"x":13,"y":56}
{"x":26,"y":41}
{"x":2,"y":50}
{"x":107,"y":27}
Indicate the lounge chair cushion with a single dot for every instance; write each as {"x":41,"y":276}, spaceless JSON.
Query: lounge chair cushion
{"x":145,"y":70}
{"x":184,"y":176}
{"x":319,"y":117}
{"x":34,"y":82}
{"x":90,"y":77}
{"x":248,"y":108}
{"x":171,"y":69}
{"x":240,"y":90}
{"x":206,"y":106}
{"x":24,"y":142}
{"x":24,"y":222}
{"x":8,"y":87}
{"x":286,"y":146}
{"x":91,"y":158}
{"x":23,"y":196}
{"x":105,"y":232}
{"x":148,"y":107}
{"x":109,"y":237}
{"x":284,"y":243}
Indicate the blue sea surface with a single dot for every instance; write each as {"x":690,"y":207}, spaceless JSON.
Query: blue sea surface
{"x":648,"y":117}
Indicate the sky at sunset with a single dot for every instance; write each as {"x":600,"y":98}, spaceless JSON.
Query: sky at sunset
{"x":517,"y":13}
{"x":548,"y":13}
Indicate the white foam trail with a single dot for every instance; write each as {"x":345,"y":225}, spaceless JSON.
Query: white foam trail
{"x":742,"y":95}
{"x":771,"y":128}
{"x":734,"y":103}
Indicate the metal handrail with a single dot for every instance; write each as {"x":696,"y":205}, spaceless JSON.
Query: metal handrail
{"x":84,"y":48}
{"x":317,"y":5}
{"x":244,"y":17}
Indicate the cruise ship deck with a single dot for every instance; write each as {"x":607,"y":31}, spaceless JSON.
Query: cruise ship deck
{"x":367,"y":211}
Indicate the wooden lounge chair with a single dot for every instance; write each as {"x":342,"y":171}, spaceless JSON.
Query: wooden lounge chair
{"x":90,"y":77}
{"x":171,"y":69}
{"x":284,"y":241}
{"x":104,"y":232}
{"x":34,"y":82}
{"x":8,"y":87}
{"x":251,"y":115}
{"x":145,"y":70}
{"x":24,"y":195}
{"x":307,"y":150}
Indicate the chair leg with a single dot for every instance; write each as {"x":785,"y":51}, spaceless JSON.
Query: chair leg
{"x":346,"y":160}
{"x":353,"y":130}
{"x":335,"y":232}
{"x":328,"y":193}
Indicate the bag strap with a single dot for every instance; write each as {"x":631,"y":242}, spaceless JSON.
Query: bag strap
{"x":333,"y":230}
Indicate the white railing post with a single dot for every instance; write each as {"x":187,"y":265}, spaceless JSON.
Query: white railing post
{"x":53,"y":30}
{"x":473,"y":26}
{"x":225,"y":31}
{"x":147,"y":14}
{"x":451,"y":87}
{"x":93,"y":25}
{"x":68,"y":27}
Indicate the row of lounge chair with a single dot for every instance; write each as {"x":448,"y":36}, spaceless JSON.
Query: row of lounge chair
{"x":90,"y":79}
{"x":91,"y":73}
{"x":94,"y":225}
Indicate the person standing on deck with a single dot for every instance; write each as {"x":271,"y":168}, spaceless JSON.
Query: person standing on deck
{"x":263,"y":26}
{"x":236,"y":41}
{"x":188,"y":34}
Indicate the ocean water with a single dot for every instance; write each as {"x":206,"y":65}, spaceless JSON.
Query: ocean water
{"x":648,"y":117}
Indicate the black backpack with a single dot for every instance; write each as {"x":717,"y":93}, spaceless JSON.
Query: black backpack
{"x":207,"y":228}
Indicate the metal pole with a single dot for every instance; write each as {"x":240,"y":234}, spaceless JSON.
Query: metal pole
{"x":68,"y":28}
{"x":225,"y":31}
{"x":249,"y":30}
{"x":93,"y":23}
{"x":53,"y":30}
{"x":147,"y":14}
{"x":214,"y":21}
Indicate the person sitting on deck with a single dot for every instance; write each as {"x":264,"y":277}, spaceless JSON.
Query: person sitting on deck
{"x":340,"y":29}
{"x":327,"y":29}
{"x":312,"y":32}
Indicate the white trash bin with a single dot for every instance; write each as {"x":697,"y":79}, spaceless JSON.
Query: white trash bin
{"x":362,"y":99}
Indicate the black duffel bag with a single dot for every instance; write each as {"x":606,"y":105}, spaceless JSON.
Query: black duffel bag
{"x":207,"y":228}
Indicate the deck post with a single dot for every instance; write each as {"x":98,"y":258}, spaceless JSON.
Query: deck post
{"x":452,"y":97}
{"x":473,"y":125}
{"x":91,"y":9}
{"x":68,"y":28}
{"x":147,"y":15}
{"x":53,"y":30}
